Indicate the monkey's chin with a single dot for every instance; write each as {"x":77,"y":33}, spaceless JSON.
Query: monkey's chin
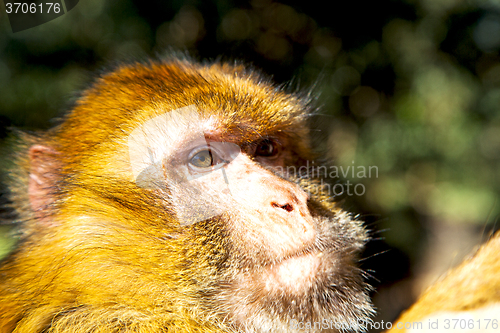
{"x":295,"y":274}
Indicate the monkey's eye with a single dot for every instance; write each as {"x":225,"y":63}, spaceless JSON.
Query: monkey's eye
{"x":267,"y":148}
{"x":202,"y":159}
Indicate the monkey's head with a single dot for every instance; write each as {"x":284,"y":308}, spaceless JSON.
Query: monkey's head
{"x":173,"y":197}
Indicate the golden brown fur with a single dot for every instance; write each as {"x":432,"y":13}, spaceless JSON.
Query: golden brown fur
{"x":473,"y":286}
{"x":99,"y":254}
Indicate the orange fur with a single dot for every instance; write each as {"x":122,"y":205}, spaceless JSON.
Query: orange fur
{"x":473,"y":285}
{"x":97,"y":254}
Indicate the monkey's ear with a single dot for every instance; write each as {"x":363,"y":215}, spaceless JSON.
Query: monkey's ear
{"x":43,"y":176}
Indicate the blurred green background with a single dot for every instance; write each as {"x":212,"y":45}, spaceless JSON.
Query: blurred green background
{"x":409,"y":86}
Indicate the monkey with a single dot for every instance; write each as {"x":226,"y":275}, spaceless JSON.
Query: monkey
{"x":467,"y":297}
{"x":168,"y":200}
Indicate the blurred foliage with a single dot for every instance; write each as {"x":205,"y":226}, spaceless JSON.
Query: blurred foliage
{"x":409,"y":86}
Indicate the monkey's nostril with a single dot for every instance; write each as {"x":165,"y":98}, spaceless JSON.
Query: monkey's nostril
{"x":286,"y":207}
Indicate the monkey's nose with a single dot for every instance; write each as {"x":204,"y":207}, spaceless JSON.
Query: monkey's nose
{"x":286,"y":207}
{"x":294,"y":198}
{"x":289,"y":203}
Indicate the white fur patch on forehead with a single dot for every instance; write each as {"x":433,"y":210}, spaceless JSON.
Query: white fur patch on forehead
{"x":158,"y":137}
{"x":211,"y":125}
{"x":160,"y":150}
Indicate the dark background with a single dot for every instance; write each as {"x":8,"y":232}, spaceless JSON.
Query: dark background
{"x":409,"y":86}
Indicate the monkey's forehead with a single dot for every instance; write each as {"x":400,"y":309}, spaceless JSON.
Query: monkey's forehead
{"x":233,"y":98}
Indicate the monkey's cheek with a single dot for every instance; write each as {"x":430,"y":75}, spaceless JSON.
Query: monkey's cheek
{"x":296,"y":274}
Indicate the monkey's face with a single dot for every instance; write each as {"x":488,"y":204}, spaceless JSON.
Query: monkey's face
{"x":287,"y":258}
{"x":189,"y":182}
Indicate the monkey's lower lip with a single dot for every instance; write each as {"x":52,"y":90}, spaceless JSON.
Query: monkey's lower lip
{"x":295,"y":272}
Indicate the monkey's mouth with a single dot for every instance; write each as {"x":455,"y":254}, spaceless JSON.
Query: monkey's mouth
{"x":293,"y":273}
